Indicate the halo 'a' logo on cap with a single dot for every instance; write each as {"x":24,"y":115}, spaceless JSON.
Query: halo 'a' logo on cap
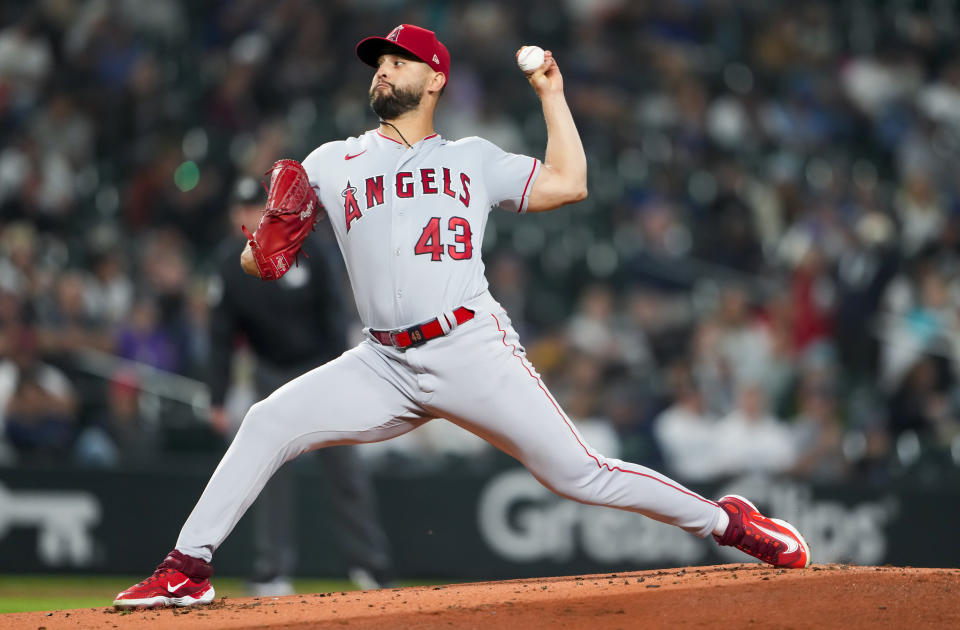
{"x":395,"y":33}
{"x":436,"y":59}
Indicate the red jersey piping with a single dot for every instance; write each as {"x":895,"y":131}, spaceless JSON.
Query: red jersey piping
{"x":529,"y":177}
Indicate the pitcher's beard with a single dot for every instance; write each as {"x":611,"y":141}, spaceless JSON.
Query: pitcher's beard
{"x":390,"y":105}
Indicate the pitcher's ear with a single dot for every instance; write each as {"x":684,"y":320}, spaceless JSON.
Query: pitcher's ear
{"x":439,"y":82}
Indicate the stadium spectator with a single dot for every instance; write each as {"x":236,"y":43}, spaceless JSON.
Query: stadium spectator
{"x":686,"y":432}
{"x":817,"y":431}
{"x":109,"y":291}
{"x":37,"y":401}
{"x":750,"y":439}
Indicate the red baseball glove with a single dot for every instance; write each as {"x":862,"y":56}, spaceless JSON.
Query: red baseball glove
{"x":292,"y":211}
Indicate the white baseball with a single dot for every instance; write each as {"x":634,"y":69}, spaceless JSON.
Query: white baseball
{"x":530,"y":58}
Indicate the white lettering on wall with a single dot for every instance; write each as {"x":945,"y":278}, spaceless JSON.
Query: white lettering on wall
{"x":523,"y":522}
{"x":63,"y":521}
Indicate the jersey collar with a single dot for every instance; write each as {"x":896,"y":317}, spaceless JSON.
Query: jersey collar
{"x":430,"y":138}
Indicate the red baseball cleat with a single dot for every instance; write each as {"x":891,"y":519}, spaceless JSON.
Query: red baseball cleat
{"x":180,"y":580}
{"x":774,"y":541}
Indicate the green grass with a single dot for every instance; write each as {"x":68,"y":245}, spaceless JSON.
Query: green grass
{"x":24,"y":593}
{"x":28,"y":604}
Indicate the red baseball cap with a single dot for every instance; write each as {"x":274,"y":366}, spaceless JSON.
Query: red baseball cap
{"x":417,"y":41}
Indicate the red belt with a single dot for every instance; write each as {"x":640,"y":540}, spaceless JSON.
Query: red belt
{"x":421,"y":333}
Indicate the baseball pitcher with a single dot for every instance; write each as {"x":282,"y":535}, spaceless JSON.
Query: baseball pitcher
{"x":409,"y":209}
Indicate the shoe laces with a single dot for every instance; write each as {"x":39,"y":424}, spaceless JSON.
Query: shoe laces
{"x":160,"y":572}
{"x":760,"y":545}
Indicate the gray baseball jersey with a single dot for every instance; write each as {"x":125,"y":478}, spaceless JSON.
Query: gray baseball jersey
{"x":410,"y":222}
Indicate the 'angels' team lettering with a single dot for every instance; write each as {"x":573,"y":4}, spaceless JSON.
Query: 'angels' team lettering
{"x":406,"y":185}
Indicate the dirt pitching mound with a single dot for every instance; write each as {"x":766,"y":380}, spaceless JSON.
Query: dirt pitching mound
{"x":745,"y":595}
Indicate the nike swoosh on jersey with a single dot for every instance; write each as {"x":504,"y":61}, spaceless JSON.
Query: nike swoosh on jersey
{"x":173,"y":588}
{"x":790,"y":542}
{"x":350,"y":157}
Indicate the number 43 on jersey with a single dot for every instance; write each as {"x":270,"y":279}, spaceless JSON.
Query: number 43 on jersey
{"x":432,"y":243}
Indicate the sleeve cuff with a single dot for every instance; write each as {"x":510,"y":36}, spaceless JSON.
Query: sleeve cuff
{"x":528,"y":188}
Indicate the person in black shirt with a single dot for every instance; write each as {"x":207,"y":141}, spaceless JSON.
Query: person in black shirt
{"x":309,"y":302}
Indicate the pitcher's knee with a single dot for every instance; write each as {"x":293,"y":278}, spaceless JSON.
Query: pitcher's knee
{"x":575,"y":481}
{"x":261,"y":419}
{"x":266,"y":426}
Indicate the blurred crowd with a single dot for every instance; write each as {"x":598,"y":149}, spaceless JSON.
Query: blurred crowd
{"x":765,"y":277}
